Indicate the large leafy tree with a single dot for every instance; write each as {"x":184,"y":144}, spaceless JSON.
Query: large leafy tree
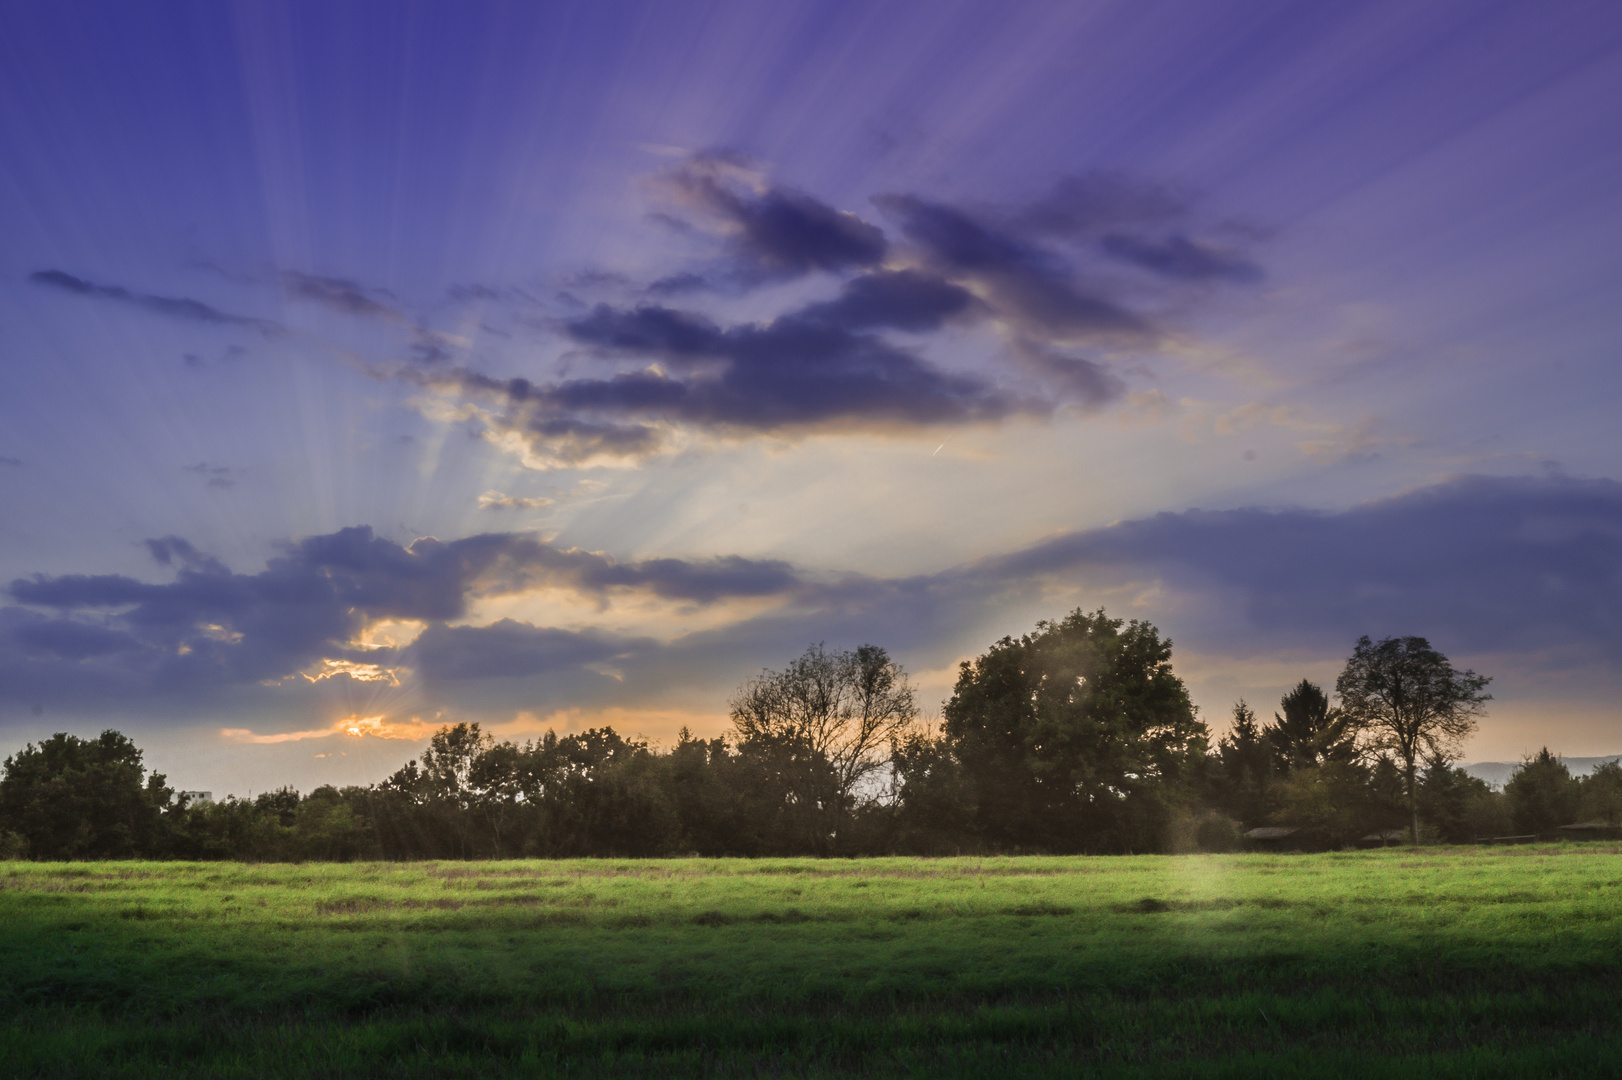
{"x":73,"y":798}
{"x":1407,"y":699}
{"x":1069,"y":738}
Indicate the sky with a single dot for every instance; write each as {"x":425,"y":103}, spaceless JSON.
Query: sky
{"x":368,"y":367}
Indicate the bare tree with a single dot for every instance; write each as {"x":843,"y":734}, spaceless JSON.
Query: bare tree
{"x":1406,"y":697}
{"x":841,"y":710}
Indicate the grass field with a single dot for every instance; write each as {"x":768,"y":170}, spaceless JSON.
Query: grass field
{"x":1447,"y":962}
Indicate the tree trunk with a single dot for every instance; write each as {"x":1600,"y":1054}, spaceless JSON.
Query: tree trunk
{"x":1413,"y":808}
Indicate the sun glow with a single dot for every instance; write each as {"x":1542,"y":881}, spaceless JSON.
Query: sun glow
{"x":356,"y":727}
{"x":390,"y":634}
{"x":359,"y":672}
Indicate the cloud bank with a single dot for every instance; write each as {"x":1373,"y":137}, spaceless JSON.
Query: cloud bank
{"x":1038,"y":274}
{"x":1530,"y":566}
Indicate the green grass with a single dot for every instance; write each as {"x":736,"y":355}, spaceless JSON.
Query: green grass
{"x":1467,"y":962}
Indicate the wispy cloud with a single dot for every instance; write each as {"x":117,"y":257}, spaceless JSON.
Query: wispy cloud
{"x":495,"y":500}
{"x":173,"y":307}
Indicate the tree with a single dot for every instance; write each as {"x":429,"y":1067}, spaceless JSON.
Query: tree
{"x":1073,"y":738}
{"x":1406,"y":698}
{"x":1460,"y":807}
{"x":73,"y":798}
{"x":1542,"y":794}
{"x":829,"y":720}
{"x":433,"y":800}
{"x":1310,"y":731}
{"x":1602,"y":794}
{"x":1328,"y":802}
{"x":1246,"y":766}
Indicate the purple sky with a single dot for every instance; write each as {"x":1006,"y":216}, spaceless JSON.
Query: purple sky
{"x":376,"y":366}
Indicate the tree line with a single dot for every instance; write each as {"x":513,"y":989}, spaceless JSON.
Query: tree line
{"x":1074,"y":738}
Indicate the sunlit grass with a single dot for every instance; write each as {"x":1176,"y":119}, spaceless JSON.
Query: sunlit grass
{"x":1474,"y":961}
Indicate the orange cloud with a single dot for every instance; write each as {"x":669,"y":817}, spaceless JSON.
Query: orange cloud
{"x":359,"y":672}
{"x":378,"y":727}
{"x":659,"y":725}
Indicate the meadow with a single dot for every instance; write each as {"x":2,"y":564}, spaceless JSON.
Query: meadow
{"x":1475,"y":961}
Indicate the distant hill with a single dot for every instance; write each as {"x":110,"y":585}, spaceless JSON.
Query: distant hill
{"x":1497,"y":773}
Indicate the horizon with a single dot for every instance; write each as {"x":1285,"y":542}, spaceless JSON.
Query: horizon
{"x":375,"y":369}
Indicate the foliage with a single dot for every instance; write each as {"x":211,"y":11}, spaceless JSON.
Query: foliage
{"x":1074,"y":738}
{"x":1459,"y":807}
{"x":73,"y":798}
{"x":823,"y":725}
{"x":1602,"y":794}
{"x":1329,"y":802}
{"x":1406,"y":699}
{"x":1310,"y":731}
{"x":1542,"y":794}
{"x":1247,"y":768}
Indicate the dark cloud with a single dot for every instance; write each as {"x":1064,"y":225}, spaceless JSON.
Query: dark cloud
{"x":509,"y":649}
{"x":1181,"y":258}
{"x":679,"y":285}
{"x":1487,"y":563}
{"x":430,"y":349}
{"x":820,"y":365}
{"x":212,"y":627}
{"x":174,"y":307}
{"x":650,"y":329}
{"x":173,"y":550}
{"x":799,"y":369}
{"x":893,"y":299}
{"x":831,"y":363}
{"x":341,"y":294}
{"x":474,"y":291}
{"x":15,"y":463}
{"x":1024,"y":282}
{"x":1528,"y":567}
{"x":774,"y":231}
{"x":1085,"y":382}
{"x":71,"y":640}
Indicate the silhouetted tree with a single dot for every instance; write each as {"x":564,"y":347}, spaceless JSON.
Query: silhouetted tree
{"x":824,"y":725}
{"x":280,"y":805}
{"x":936,"y":811}
{"x":326,"y":827}
{"x":1309,"y":731}
{"x":73,"y":798}
{"x":1247,"y":765}
{"x":426,"y":807}
{"x":1602,"y":794}
{"x":1407,"y":699}
{"x":1458,"y":806}
{"x":1073,"y":738}
{"x":1542,"y":794}
{"x":1330,"y":802}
